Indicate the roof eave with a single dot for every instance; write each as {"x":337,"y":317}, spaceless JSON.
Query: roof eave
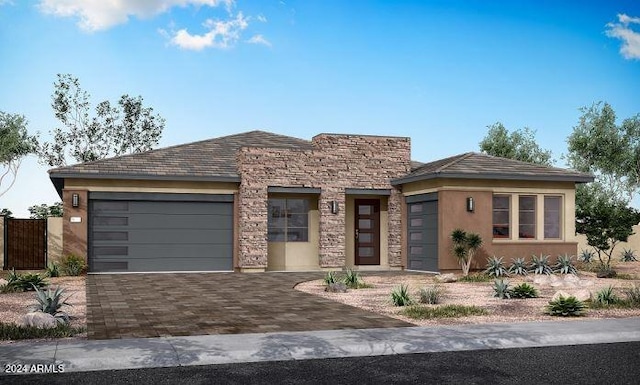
{"x":496,"y":176}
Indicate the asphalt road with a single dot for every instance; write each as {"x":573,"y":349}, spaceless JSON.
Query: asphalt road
{"x":617,"y":363}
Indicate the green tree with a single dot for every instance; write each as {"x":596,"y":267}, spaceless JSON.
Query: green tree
{"x":604,"y":219}
{"x":519,"y":145}
{"x":465,"y":246}
{"x":15,"y":144}
{"x":125,"y":128}
{"x":6,"y":212}
{"x":43,"y":211}
{"x":612,"y":152}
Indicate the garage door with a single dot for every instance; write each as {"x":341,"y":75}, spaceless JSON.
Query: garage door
{"x":131,"y":232}
{"x":422,"y":232}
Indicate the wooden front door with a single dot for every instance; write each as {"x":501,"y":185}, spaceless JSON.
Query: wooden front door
{"x":367,"y":232}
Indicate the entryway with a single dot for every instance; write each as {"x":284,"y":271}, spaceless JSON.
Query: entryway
{"x":367,"y":232}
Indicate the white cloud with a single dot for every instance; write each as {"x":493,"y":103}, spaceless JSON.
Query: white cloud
{"x":630,"y":39}
{"x":220,"y":34}
{"x":261,"y":18}
{"x":95,"y":15}
{"x":259,"y":39}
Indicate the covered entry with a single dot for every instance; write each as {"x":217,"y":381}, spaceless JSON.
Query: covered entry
{"x":160,"y":232}
{"x":422,"y":232}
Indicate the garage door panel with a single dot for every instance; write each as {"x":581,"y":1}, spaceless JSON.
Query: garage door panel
{"x":180,"y":208}
{"x":179,"y":221}
{"x":179,"y":236}
{"x":142,"y":265}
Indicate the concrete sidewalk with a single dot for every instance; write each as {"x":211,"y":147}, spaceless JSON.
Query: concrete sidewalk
{"x":231,"y":348}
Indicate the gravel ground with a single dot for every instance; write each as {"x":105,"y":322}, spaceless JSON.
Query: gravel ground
{"x":378,"y":298}
{"x":13,"y":306}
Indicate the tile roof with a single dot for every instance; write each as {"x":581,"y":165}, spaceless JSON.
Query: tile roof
{"x":212,"y":159}
{"x":473,"y":165}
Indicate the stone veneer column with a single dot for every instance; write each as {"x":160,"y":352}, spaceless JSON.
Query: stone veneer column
{"x":332,"y":228}
{"x":395,"y":228}
{"x":252,"y":237}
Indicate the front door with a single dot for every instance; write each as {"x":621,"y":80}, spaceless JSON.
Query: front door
{"x":367,"y":232}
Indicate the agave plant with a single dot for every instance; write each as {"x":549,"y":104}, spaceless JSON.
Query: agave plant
{"x":518,"y":267}
{"x":606,"y":296}
{"x":566,"y":307}
{"x":586,"y":256}
{"x":501,"y":289}
{"x":564,"y":265}
{"x":495,"y":267}
{"x":524,"y":290}
{"x":628,"y":255}
{"x":540,"y":265}
{"x":50,"y":302}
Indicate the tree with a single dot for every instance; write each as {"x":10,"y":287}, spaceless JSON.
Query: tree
{"x":125,"y":128}
{"x":15,"y":144}
{"x":605,"y":219}
{"x":598,"y":145}
{"x":465,"y":246}
{"x":519,"y":145}
{"x":6,"y":213}
{"x":43,"y":211}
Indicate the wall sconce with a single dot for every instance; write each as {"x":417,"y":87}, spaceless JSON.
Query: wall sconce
{"x":334,"y":207}
{"x":470,"y":204}
{"x":75,"y":200}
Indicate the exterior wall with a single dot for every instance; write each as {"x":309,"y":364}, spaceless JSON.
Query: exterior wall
{"x":337,"y":162}
{"x":54,"y":238}
{"x":297,"y":255}
{"x":2,"y":241}
{"x":75,"y":234}
{"x":452,"y":214}
{"x":350,"y":247}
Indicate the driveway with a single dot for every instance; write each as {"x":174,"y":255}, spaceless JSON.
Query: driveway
{"x":174,"y":304}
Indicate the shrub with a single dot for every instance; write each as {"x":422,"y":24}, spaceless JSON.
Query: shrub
{"x":605,"y":271}
{"x":632,"y":295}
{"x":53,"y":269}
{"x":445,"y":311}
{"x":540,"y":265}
{"x":566,"y":307}
{"x":23,"y":282}
{"x":495,"y":267}
{"x":628,"y":255}
{"x":431,"y":294}
{"x":606,"y":296}
{"x":518,"y":267}
{"x":51,"y":302}
{"x":330,"y":278}
{"x":400,"y":296}
{"x":352,"y":279}
{"x":18,"y":332}
{"x":586,"y":256}
{"x":564,"y":265}
{"x":477,"y":277}
{"x":524,"y":290}
{"x":501,"y":289}
{"x":73,"y":265}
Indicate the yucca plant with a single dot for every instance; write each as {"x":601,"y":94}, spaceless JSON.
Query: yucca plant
{"x":330,"y":278}
{"x":431,"y":294}
{"x":564,"y":265}
{"x":495,"y":267}
{"x":628,"y":255}
{"x":501,"y":289}
{"x":400,"y":296}
{"x":606,"y":296}
{"x":50,"y":302}
{"x":566,"y":307}
{"x":465,"y":246}
{"x":518,"y":267}
{"x":524,"y":290}
{"x":352,"y":279}
{"x":53,"y":269}
{"x":540,"y":265}
{"x":586,"y":256}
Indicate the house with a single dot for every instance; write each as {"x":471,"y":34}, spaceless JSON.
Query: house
{"x":259,"y":201}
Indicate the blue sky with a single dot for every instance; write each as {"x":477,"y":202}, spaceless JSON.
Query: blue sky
{"x":436,"y":71}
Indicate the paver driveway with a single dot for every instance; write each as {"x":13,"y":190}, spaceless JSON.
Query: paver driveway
{"x":174,"y":304}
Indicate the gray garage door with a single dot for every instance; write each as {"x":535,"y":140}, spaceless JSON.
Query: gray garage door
{"x":160,"y":232}
{"x":422,"y":232}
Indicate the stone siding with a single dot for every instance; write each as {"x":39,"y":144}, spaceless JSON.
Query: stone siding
{"x":336,"y":163}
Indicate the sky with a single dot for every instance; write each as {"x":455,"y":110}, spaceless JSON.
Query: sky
{"x":438,"y":72}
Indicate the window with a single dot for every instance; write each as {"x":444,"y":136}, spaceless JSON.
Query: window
{"x":501,"y":205}
{"x":527,"y":217}
{"x":288,"y":220}
{"x":552,"y":217}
